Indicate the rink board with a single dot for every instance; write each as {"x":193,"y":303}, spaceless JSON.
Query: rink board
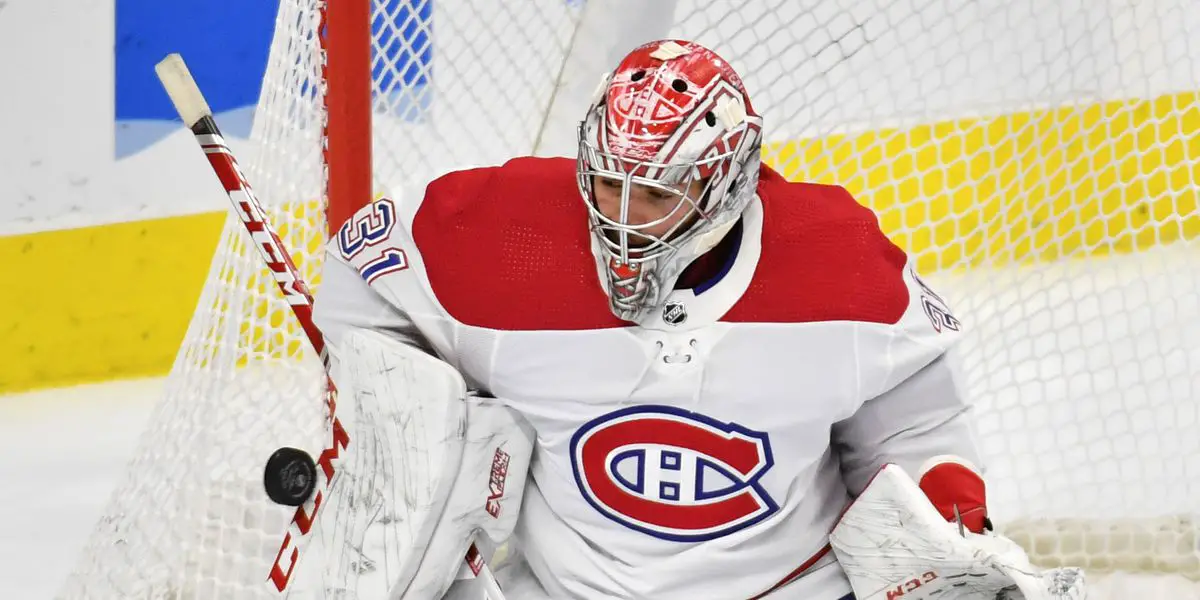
{"x":113,"y":301}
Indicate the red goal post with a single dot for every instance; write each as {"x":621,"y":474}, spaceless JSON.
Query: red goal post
{"x":347,"y":72}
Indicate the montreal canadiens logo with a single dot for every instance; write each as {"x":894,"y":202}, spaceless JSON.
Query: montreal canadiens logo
{"x":673,"y":474}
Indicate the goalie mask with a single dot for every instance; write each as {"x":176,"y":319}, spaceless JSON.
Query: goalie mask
{"x":672,"y":121}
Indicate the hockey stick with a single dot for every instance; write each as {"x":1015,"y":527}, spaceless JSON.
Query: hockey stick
{"x":197,"y":116}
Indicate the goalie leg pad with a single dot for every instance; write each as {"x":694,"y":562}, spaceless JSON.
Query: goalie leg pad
{"x":484,"y":503}
{"x":415,"y":484}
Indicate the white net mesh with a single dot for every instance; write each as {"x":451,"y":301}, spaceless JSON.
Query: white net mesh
{"x":1038,"y":158}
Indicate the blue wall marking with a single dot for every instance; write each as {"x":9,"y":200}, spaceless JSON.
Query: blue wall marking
{"x":226,"y":45}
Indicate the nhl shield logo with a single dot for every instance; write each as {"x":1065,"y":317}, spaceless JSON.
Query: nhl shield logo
{"x":674,"y":313}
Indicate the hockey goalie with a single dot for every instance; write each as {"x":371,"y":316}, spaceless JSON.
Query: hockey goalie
{"x":656,"y":371}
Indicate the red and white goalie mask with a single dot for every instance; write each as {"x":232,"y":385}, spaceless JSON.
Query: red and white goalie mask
{"x":669,"y":156}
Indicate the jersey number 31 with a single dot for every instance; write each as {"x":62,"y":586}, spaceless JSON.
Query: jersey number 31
{"x":366,"y":234}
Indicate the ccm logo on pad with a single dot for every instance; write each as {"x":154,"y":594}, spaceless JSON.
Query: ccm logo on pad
{"x":673,"y":474}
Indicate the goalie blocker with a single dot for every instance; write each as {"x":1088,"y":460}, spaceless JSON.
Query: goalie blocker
{"x":895,"y":542}
{"x":433,"y":471}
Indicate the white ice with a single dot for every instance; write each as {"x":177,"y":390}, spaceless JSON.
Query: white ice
{"x":61,"y":453}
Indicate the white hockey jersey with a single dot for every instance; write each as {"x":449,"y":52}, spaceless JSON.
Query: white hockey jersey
{"x":704,"y":455}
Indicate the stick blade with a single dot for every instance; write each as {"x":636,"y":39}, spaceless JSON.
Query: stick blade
{"x":182,"y":88}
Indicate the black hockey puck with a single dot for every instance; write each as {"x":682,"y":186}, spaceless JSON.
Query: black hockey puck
{"x":290,"y":477}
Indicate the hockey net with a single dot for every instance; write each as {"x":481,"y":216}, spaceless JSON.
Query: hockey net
{"x":1040,"y":159}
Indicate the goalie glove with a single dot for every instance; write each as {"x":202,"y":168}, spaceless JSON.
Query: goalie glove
{"x":432,"y":469}
{"x":892,"y":543}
